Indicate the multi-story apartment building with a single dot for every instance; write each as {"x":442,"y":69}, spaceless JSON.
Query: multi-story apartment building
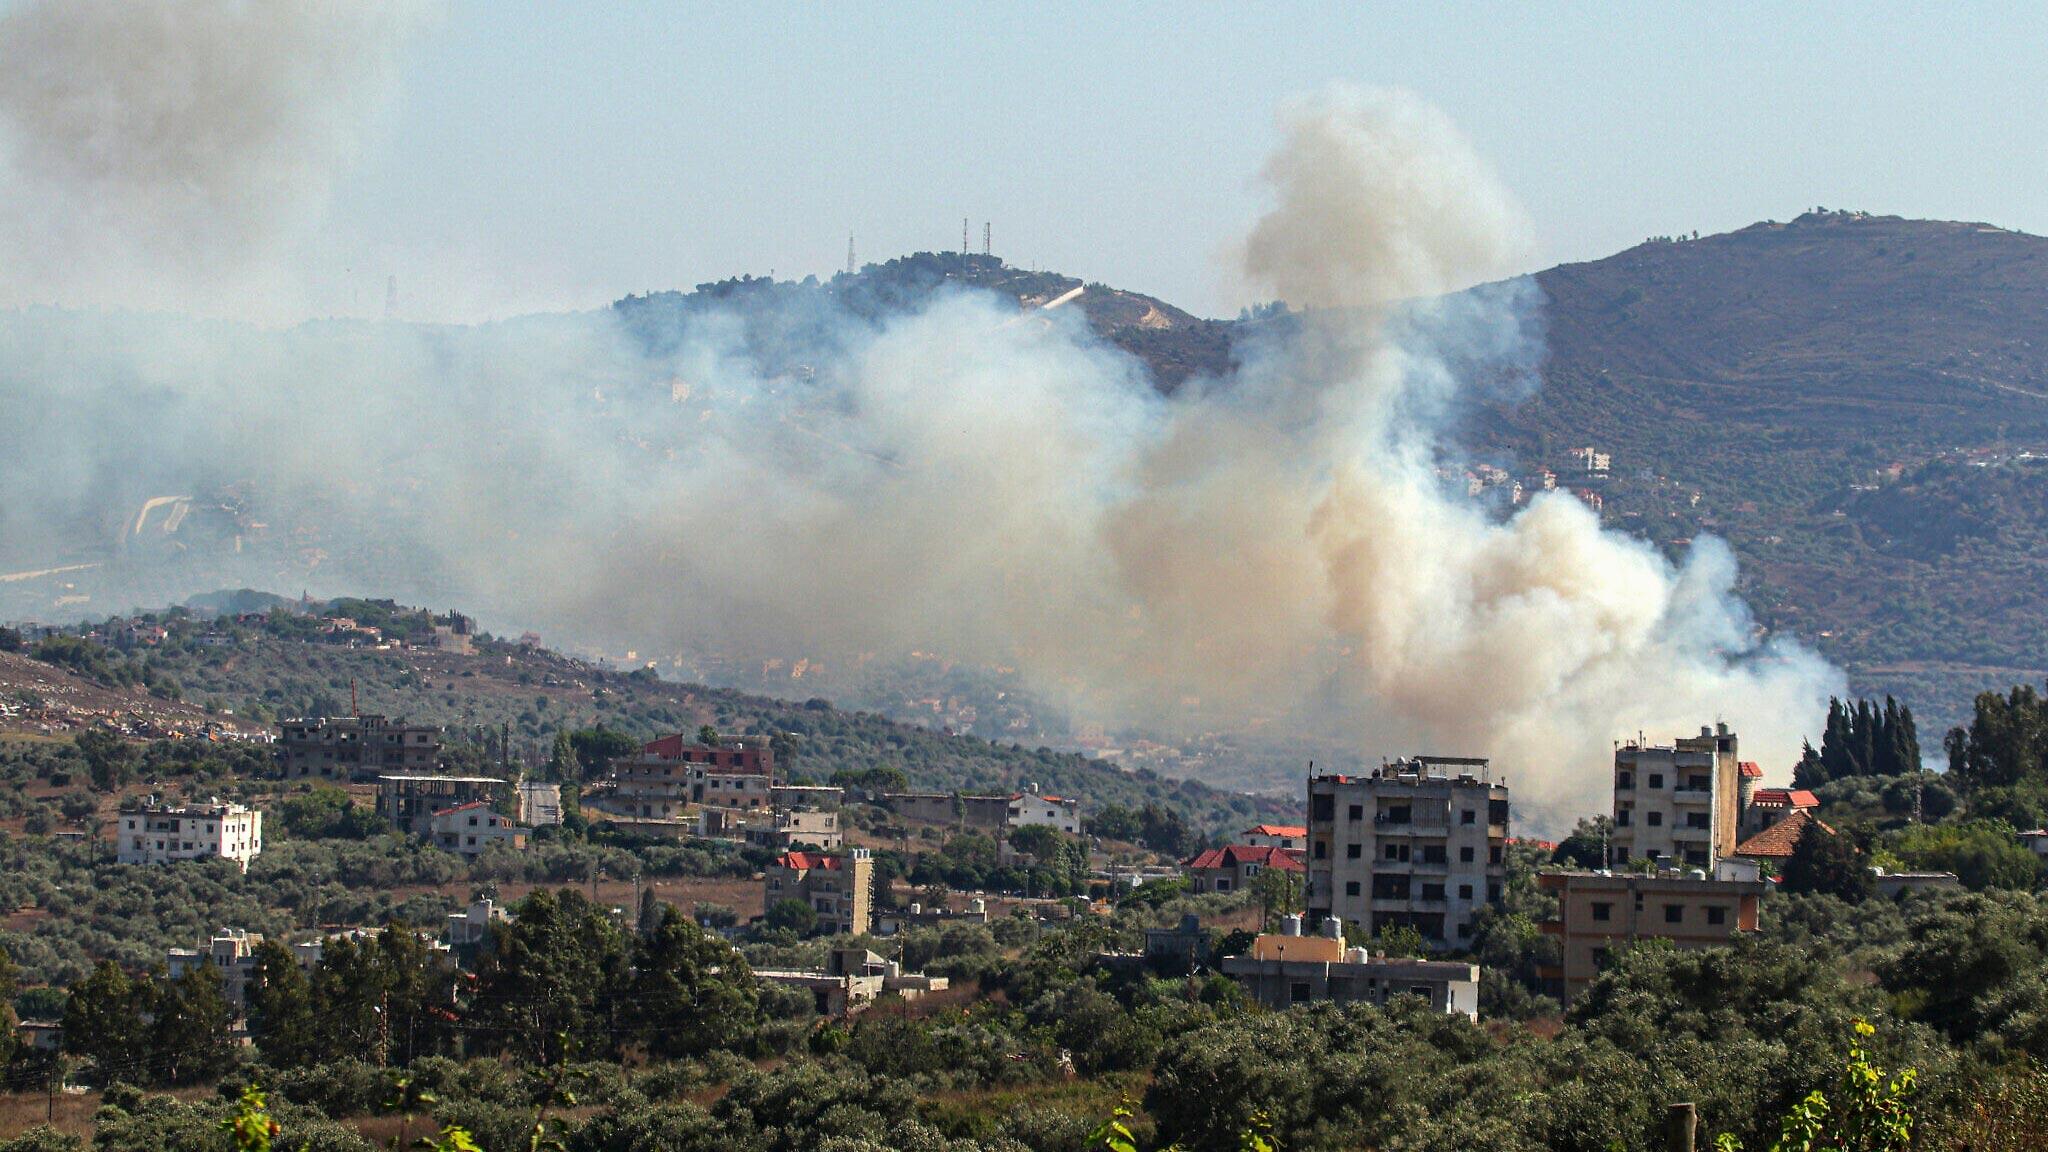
{"x":345,"y":747}
{"x":670,"y":774}
{"x":1420,"y":842}
{"x":1677,"y":802}
{"x":1598,"y":912}
{"x":410,"y":802}
{"x":151,"y":833}
{"x":838,"y":888}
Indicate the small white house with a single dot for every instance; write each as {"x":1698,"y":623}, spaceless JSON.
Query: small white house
{"x":154,"y":834}
{"x":471,"y":829}
{"x":1033,"y":807}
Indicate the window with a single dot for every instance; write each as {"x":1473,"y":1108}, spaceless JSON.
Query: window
{"x":1432,"y":891}
{"x":1399,"y":814}
{"x":1251,"y":870}
{"x":1322,"y":809}
{"x":1297,"y":992}
{"x":1493,"y":855}
{"x":1222,"y":885}
{"x":1696,"y":820}
{"x":1674,"y":913}
{"x":1464,"y":929}
{"x":1357,"y":812}
{"x":1602,"y":910}
{"x":1717,"y":915}
{"x":1465,"y":854}
{"x":1322,"y":850}
{"x":1624,"y":780}
{"x":1433,"y":854}
{"x":1467,"y":816}
{"x":1655,"y":820}
{"x":1351,"y":888}
{"x":1656,"y":779}
{"x":1464,"y":891}
{"x":1352,"y":851}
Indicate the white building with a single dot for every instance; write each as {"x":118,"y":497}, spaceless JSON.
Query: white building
{"x":472,"y":925}
{"x":1287,"y":837}
{"x":1287,"y":969}
{"x":471,"y":829}
{"x":1029,"y":808}
{"x":153,"y":834}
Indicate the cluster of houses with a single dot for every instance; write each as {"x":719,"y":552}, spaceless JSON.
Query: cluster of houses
{"x":1419,"y":845}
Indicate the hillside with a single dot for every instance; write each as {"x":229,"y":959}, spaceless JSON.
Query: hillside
{"x":1847,"y":400}
{"x":284,"y":667}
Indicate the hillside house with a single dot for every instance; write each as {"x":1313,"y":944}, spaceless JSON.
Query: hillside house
{"x":1231,"y":868}
{"x":1289,"y":837}
{"x":474,"y":828}
{"x":355,"y":747}
{"x":839,"y":888}
{"x":1030,"y":808}
{"x":1286,"y":969}
{"x":151,"y":833}
{"x":410,"y":802}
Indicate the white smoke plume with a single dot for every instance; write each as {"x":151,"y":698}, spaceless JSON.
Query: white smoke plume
{"x":1275,"y":547}
{"x":170,"y":154}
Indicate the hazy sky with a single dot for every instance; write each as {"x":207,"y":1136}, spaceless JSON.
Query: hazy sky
{"x":540,"y":156}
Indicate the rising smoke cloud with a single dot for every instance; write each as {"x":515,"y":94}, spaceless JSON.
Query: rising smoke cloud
{"x":1274,"y":546}
{"x":167,"y":154}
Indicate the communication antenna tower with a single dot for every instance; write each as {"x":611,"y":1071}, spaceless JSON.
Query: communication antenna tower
{"x":984,"y":237}
{"x":963,"y":235}
{"x":390,"y":296}
{"x":850,"y":269}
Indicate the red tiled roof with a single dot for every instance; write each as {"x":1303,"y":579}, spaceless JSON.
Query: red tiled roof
{"x":1277,"y":830}
{"x":808,"y":860}
{"x":1750,"y":770}
{"x":1778,"y":841}
{"x":1238,"y":855}
{"x":1784,"y":798}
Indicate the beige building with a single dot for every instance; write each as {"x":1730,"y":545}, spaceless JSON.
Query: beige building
{"x":796,"y":828}
{"x":1288,"y":968}
{"x":1599,"y":912}
{"x":154,"y":834}
{"x":839,"y":888}
{"x":1678,"y":802}
{"x":1420,"y":842}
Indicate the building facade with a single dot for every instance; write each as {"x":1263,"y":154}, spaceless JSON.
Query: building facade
{"x":1032,"y":808}
{"x":1420,"y":843}
{"x":1286,"y":969}
{"x":839,"y":888}
{"x":154,"y":834}
{"x":1677,"y":802}
{"x":1598,"y":913}
{"x":410,"y":802}
{"x":349,"y":747}
{"x":474,"y":828}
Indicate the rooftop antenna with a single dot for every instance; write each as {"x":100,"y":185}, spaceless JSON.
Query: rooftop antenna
{"x":849,"y":254}
{"x":984,"y":237}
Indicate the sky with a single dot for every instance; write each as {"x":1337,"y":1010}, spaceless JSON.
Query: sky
{"x":537,"y":157}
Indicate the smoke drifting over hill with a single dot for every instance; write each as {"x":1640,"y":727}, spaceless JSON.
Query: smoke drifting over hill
{"x":1275,"y":545}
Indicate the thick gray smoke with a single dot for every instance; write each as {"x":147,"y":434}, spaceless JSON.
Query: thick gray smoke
{"x":165,"y":154}
{"x":1276,"y":547}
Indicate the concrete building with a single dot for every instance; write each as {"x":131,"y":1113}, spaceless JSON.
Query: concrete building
{"x":1290,"y":837}
{"x":472,"y":926}
{"x":1420,"y":842}
{"x":1598,"y":913}
{"x":672,"y":773}
{"x":1892,"y":885}
{"x":231,"y":953}
{"x":828,"y":796}
{"x":350,"y":747}
{"x":839,"y":888}
{"x":410,"y":802}
{"x":1288,"y":968}
{"x":153,"y":834}
{"x":852,"y":979}
{"x":2035,"y":840}
{"x":797,"y":828}
{"x":1677,"y":802}
{"x":1231,"y":868}
{"x":540,"y":805}
{"x":474,"y":828}
{"x":1030,"y":807}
